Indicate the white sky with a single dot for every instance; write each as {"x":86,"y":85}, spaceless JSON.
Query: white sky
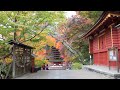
{"x":0,"y":37}
{"x":69,"y":13}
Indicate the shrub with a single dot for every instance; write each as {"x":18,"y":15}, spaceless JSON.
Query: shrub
{"x":8,"y":60}
{"x":40,"y":63}
{"x":0,"y":61}
{"x":76,"y":66}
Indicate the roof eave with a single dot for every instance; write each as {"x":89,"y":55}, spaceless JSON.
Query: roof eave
{"x":101,"y":18}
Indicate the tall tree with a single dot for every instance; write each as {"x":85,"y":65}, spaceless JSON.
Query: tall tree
{"x":27,"y":26}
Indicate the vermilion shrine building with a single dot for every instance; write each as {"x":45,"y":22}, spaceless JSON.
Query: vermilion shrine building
{"x":104,"y":39}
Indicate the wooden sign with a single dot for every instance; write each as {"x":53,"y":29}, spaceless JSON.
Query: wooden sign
{"x":113,"y":54}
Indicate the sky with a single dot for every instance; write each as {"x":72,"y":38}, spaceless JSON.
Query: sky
{"x":0,"y":37}
{"x":70,"y":13}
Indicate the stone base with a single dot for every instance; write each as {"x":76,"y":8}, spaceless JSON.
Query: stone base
{"x":57,"y":68}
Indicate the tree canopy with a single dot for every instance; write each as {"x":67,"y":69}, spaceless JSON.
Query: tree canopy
{"x":26,"y":26}
{"x":34,"y":27}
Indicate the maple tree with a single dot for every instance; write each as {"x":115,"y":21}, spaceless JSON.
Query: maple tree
{"x":26,"y":27}
{"x":69,"y":34}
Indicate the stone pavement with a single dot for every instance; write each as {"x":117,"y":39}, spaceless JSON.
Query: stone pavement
{"x":65,"y":74}
{"x":103,"y":70}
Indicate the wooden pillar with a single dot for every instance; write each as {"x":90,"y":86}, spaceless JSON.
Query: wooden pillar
{"x":32,"y":64}
{"x":24,"y":60}
{"x":89,"y":45}
{"x":90,"y":52}
{"x":30,"y":58}
{"x":111,"y":35}
{"x":13,"y":64}
{"x":98,"y":61}
{"x":108,"y":58}
{"x":117,"y":60}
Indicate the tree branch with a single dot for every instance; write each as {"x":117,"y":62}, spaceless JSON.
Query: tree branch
{"x":36,"y":34}
{"x":8,"y":16}
{"x":72,"y":50}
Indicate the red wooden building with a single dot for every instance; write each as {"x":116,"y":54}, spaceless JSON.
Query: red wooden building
{"x":104,"y":39}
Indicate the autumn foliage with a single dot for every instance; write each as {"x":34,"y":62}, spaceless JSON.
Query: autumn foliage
{"x":71,"y":31}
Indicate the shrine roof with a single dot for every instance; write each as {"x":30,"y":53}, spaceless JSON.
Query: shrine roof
{"x":106,"y":19}
{"x":11,"y":42}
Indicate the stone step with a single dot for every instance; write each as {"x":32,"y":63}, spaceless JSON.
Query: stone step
{"x":55,"y":52}
{"x":56,"y":57}
{"x":57,"y":68}
{"x":54,"y":49}
{"x":58,"y":54}
{"x":60,"y":60}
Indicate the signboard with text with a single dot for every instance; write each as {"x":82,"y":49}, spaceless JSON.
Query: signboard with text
{"x":113,"y":54}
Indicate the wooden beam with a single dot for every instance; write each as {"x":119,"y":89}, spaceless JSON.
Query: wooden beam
{"x":111,"y":34}
{"x":103,"y":21}
{"x":101,"y":34}
{"x":102,"y":31}
{"x":115,"y":14}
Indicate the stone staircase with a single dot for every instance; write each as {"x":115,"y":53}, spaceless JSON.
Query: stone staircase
{"x":55,"y":56}
{"x":56,"y":59}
